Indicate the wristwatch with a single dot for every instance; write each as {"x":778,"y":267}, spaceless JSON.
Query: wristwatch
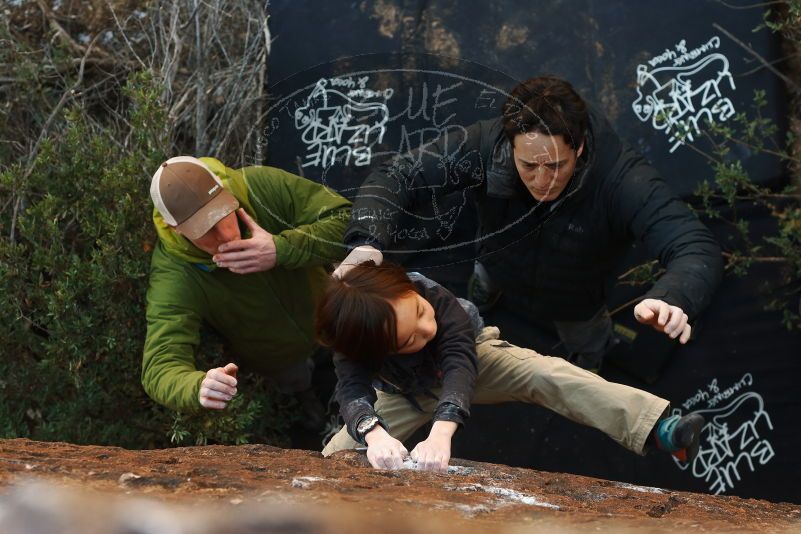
{"x":366,"y":425}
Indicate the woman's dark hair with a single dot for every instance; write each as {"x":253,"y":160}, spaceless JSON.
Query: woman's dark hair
{"x":355,"y":317}
{"x":547,"y":105}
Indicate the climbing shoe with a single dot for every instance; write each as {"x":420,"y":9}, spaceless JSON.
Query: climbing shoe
{"x":680,"y":436}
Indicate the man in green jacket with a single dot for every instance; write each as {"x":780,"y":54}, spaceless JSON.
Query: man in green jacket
{"x":243,"y":251}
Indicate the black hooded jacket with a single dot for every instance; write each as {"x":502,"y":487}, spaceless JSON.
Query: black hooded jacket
{"x":560,"y":255}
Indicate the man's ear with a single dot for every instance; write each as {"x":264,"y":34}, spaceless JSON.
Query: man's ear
{"x":579,"y":150}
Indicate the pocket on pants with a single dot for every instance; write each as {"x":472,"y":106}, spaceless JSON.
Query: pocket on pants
{"x":488,"y":333}
{"x":504,"y":347}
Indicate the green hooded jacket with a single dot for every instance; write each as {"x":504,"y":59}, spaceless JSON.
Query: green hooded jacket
{"x":266,"y":317}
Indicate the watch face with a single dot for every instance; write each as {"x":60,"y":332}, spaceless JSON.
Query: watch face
{"x":366,"y":425}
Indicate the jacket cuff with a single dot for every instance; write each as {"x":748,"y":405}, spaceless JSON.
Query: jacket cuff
{"x":282,"y":251}
{"x":357,"y":238}
{"x":447,"y":411}
{"x":355,"y":412}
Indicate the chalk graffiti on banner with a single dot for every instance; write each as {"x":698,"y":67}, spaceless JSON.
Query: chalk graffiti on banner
{"x":413,"y":132}
{"x":734,"y":439}
{"x":342,"y":120}
{"x":679,"y":90}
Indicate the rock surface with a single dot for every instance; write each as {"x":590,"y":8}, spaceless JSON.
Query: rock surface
{"x":58,"y":487}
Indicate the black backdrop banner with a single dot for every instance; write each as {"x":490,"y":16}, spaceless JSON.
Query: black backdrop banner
{"x":354,"y":83}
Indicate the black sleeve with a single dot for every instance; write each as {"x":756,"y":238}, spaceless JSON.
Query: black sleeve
{"x":672,"y":233}
{"x":354,"y":393}
{"x":455,"y":349}
{"x":452,"y":163}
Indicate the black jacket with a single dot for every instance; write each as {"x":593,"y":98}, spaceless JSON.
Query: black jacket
{"x":559,"y":255}
{"x":448,"y":361}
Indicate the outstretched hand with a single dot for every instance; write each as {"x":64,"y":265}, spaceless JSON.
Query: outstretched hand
{"x":665,"y":318}
{"x":244,"y":256}
{"x":218,"y":387}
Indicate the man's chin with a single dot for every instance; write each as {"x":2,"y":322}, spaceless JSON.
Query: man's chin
{"x":543,"y":197}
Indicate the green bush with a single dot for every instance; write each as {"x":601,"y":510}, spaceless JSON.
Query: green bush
{"x":72,"y":275}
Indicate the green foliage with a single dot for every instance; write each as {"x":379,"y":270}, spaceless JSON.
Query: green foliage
{"x":72,"y":276}
{"x":731,"y":186}
{"x":263,"y":415}
{"x":644,"y":273}
{"x":783,"y":246}
{"x":783,"y":18}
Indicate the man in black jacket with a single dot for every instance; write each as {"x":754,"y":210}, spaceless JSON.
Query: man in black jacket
{"x":560,"y":198}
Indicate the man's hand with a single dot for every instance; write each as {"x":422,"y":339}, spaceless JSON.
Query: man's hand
{"x":384,"y":451}
{"x":358,"y":255}
{"x":434,"y":453}
{"x":219,"y":387}
{"x":663,"y":317}
{"x":244,"y":256}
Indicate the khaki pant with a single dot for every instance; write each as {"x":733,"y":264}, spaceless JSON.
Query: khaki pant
{"x":509,"y":373}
